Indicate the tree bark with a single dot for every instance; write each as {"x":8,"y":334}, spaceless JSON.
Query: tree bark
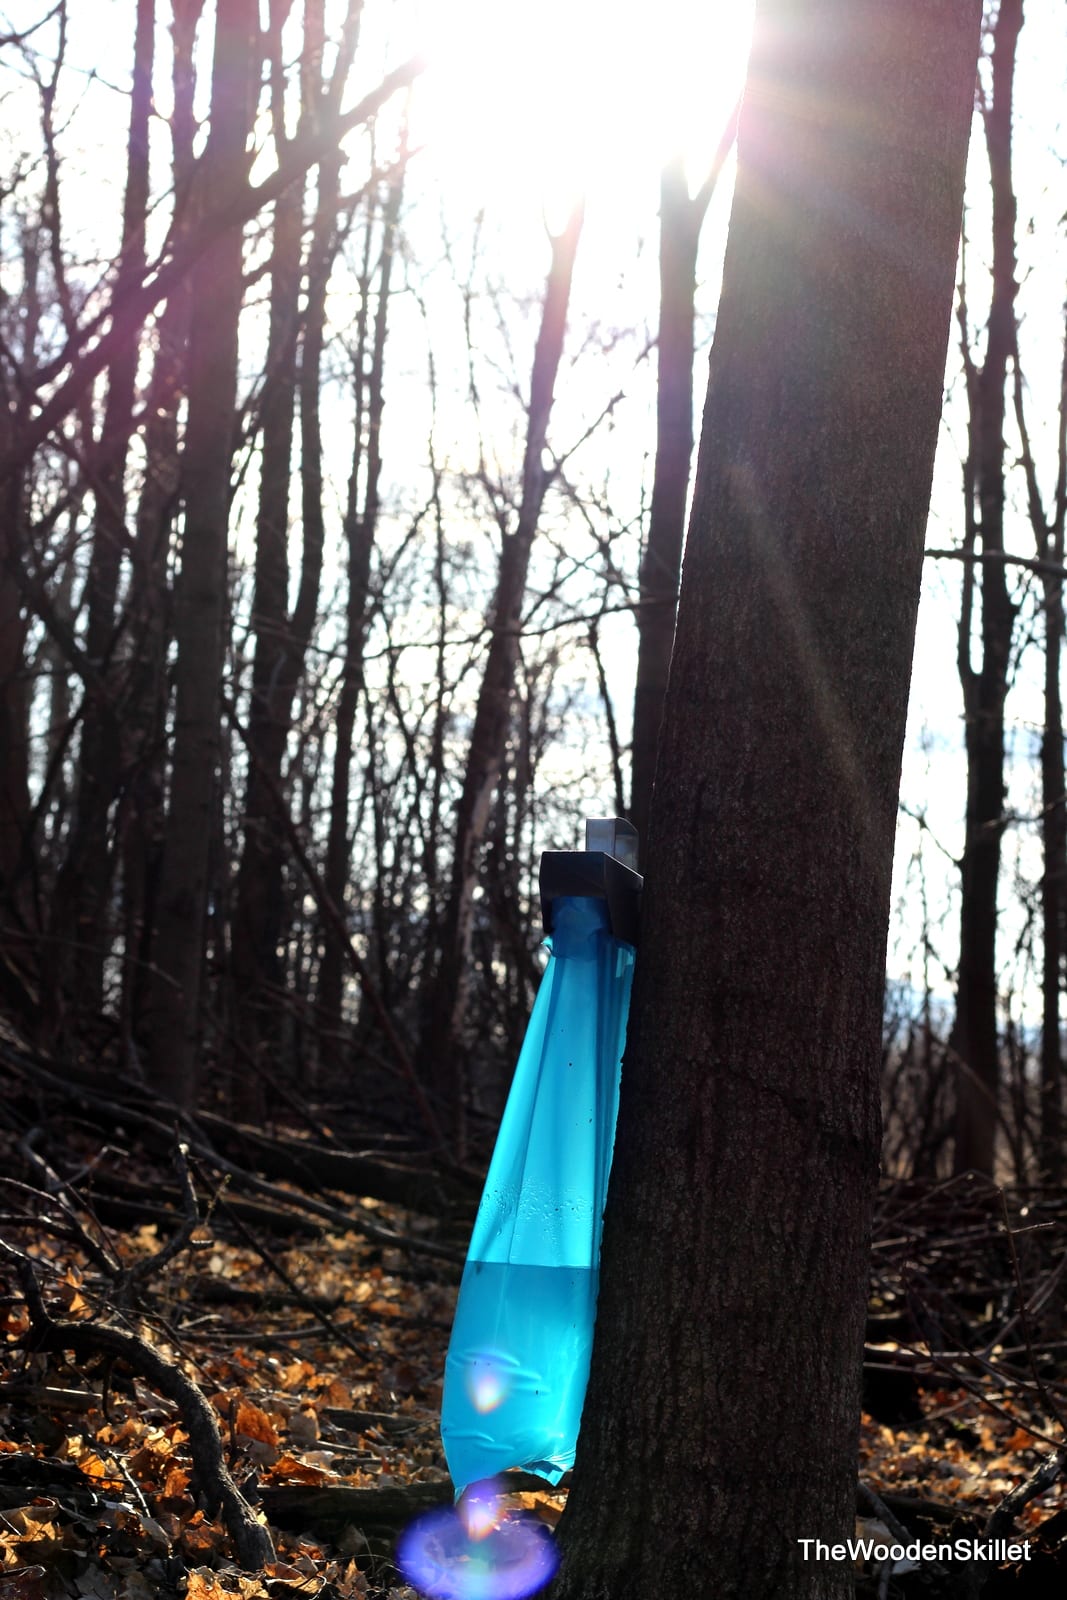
{"x":145,"y":711}
{"x":735,"y":1260}
{"x":360,"y":531}
{"x":80,"y":907}
{"x":281,"y":639}
{"x":440,"y":1038}
{"x":974,"y":1035}
{"x":681,"y":218}
{"x":1049,"y":542}
{"x":1053,"y":886}
{"x":217,"y":292}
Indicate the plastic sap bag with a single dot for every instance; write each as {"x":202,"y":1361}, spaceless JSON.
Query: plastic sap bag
{"x":518,"y":1361}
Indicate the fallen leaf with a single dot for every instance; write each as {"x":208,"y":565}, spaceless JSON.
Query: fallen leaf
{"x":255,"y":1424}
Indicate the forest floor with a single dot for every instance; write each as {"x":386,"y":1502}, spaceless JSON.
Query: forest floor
{"x":320,"y":1352}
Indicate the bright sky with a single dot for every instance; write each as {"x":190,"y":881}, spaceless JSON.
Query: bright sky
{"x":538,"y":102}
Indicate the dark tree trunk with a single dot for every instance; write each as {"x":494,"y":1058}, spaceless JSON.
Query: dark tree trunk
{"x":14,"y":743}
{"x":680,"y":222}
{"x":440,"y":1039}
{"x":735,"y":1262}
{"x":1049,"y":539}
{"x":200,"y":595}
{"x":974,"y":1035}
{"x":258,"y":908}
{"x":145,"y":712}
{"x":15,"y":844}
{"x":1054,"y":808}
{"x":360,"y":530}
{"x":1053,"y":886}
{"x":80,"y":909}
{"x":281,"y":639}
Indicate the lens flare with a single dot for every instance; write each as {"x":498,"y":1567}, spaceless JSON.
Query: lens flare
{"x":476,"y":1551}
{"x":488,"y":1381}
{"x":481,"y":1510}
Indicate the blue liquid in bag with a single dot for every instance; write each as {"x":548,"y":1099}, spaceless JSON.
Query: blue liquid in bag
{"x":518,"y":1361}
{"x":517,"y":1368}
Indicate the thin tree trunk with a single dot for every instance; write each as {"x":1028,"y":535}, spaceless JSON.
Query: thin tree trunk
{"x":257,"y":915}
{"x":1053,"y":885}
{"x":360,"y":530}
{"x":681,"y":218}
{"x":735,"y":1262}
{"x":1049,"y":542}
{"x":144,"y":720}
{"x":14,"y":749}
{"x":281,"y":639}
{"x":974,"y":1034}
{"x":14,"y":700}
{"x":80,"y":906}
{"x":440,"y":1039}
{"x":200,"y":596}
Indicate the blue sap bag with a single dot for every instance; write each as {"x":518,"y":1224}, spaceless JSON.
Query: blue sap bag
{"x":518,"y":1361}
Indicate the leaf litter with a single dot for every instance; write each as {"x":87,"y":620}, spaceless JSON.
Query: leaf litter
{"x":327,"y":1396}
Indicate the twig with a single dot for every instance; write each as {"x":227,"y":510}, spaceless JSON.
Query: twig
{"x":877,"y":1505}
{"x":1044,"y":1474}
{"x":1024,"y":1321}
{"x":252,"y":1541}
{"x":331,"y":915}
{"x":305,"y":1300}
{"x":135,"y":1277}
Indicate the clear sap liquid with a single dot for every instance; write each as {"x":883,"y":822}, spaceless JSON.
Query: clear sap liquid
{"x":516,"y":1369}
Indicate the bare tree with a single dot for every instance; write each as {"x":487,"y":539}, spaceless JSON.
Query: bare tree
{"x":680,"y":219}
{"x":217,"y":294}
{"x":1048,"y":529}
{"x":81,"y":903}
{"x":294,"y":364}
{"x":735,"y":1262}
{"x":440,"y":1037}
{"x":974,"y":1035}
{"x":145,"y":707}
{"x":360,"y":529}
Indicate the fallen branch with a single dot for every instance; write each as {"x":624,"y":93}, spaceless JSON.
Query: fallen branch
{"x":416,"y":1188}
{"x":129,"y":1114}
{"x":1043,"y":1476}
{"x":331,"y":1508}
{"x":252,"y":1541}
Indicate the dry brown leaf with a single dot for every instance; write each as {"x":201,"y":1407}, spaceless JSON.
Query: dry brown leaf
{"x":175,"y":1483}
{"x":205,"y":1585}
{"x":255,"y":1424}
{"x":287,"y":1469}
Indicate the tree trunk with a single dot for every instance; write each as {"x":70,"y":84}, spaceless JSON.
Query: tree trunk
{"x":145,"y":712}
{"x":258,"y":909}
{"x":14,"y":741}
{"x":217,"y":291}
{"x":660,"y":565}
{"x":15,"y":901}
{"x":360,"y":531}
{"x":681,"y":218}
{"x":80,"y":907}
{"x":1053,"y":885}
{"x":735,"y":1261}
{"x":440,"y":1039}
{"x":281,"y":639}
{"x":974,"y":1035}
{"x":1049,"y":540}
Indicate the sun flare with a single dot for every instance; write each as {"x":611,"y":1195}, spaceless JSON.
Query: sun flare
{"x":571,"y":98}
